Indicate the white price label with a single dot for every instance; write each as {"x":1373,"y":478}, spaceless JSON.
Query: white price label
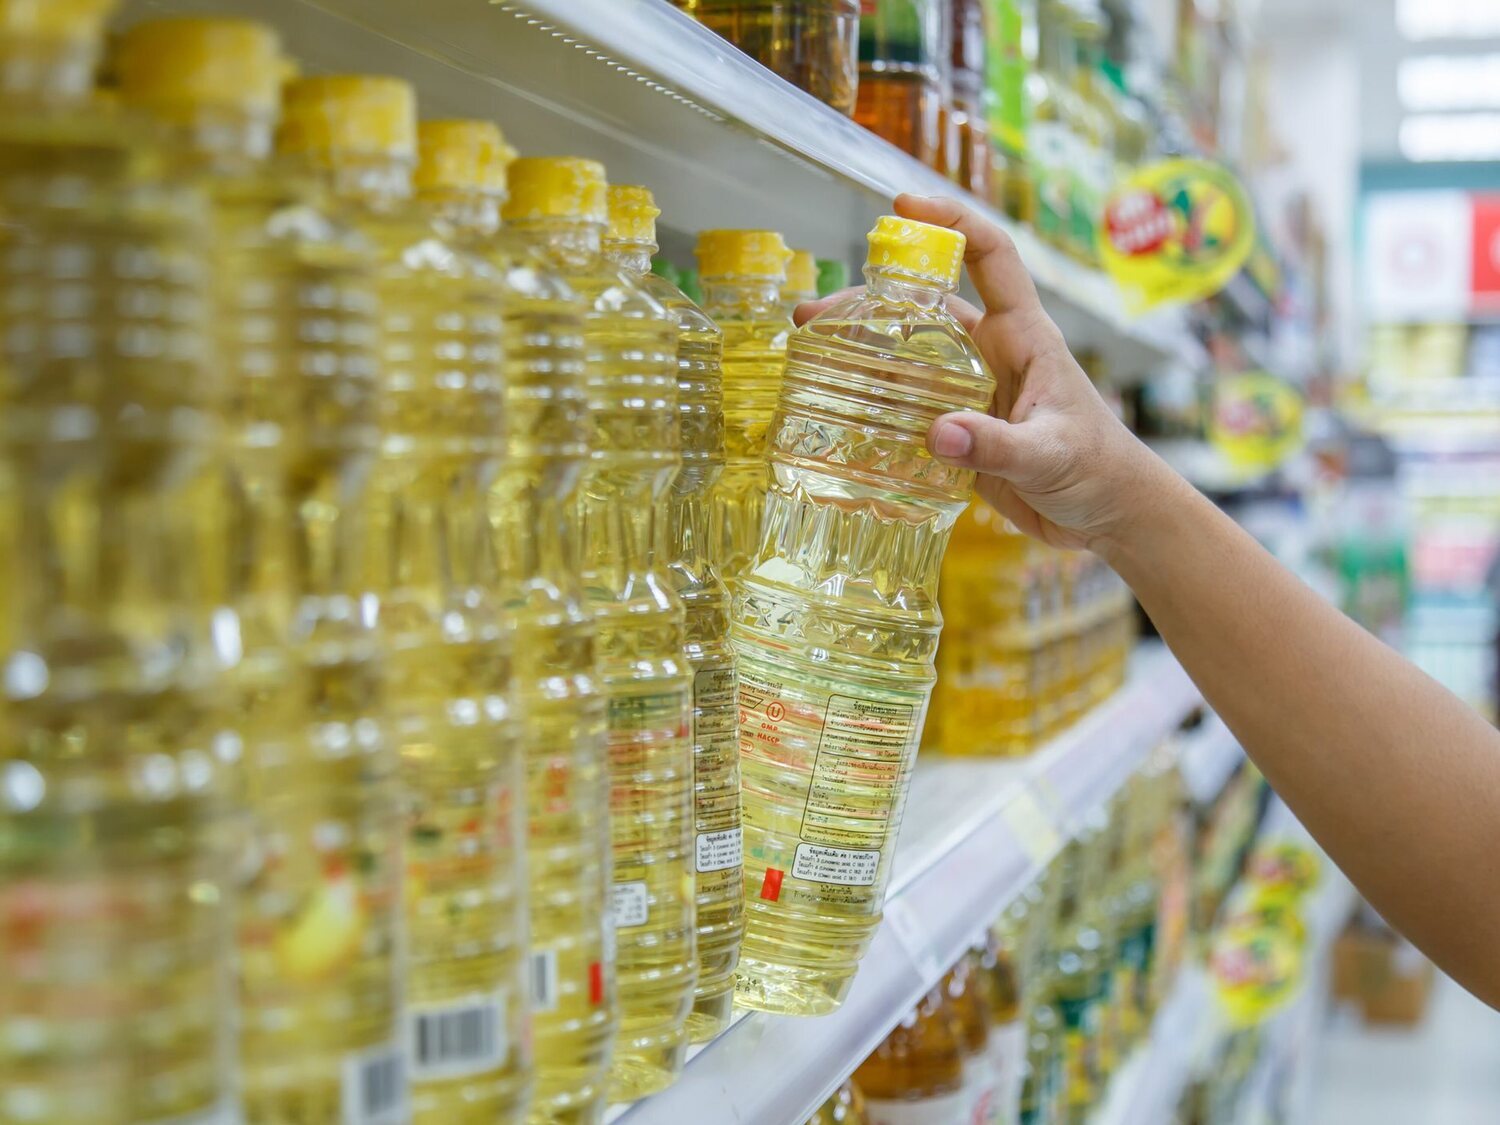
{"x":719,"y":851}
{"x":629,"y":905}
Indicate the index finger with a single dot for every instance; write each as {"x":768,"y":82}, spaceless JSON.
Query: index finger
{"x":991,"y":256}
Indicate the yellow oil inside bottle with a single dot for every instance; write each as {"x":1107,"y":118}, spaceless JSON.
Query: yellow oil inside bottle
{"x":971,"y":1018}
{"x":917,"y":1072}
{"x":717,"y":840}
{"x":562,"y":705}
{"x":117,"y":754}
{"x":297,"y":330}
{"x":801,"y":280}
{"x":742,"y":274}
{"x":845,"y":1106}
{"x":560,"y":207}
{"x":836,"y":624}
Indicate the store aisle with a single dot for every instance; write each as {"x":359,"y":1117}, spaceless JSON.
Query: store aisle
{"x":1446,"y":1071}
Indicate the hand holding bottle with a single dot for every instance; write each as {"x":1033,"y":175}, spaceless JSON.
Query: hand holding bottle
{"x":1051,"y":456}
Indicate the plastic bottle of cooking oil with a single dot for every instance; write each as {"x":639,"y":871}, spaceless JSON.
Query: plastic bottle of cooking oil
{"x":813,"y":44}
{"x":971,"y":1016}
{"x":916,"y":1075}
{"x":461,"y":750}
{"x":718,"y":861}
{"x":561,"y":708}
{"x":999,"y":983}
{"x":743,"y":272}
{"x":448,"y":654}
{"x":114,"y":773}
{"x":845,"y":1106}
{"x":560,"y":207}
{"x":1079,"y":976}
{"x":801,"y":280}
{"x":297,"y":321}
{"x":836,"y":624}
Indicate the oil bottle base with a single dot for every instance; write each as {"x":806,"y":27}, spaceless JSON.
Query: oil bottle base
{"x":568,"y":1108}
{"x":711,"y":1013}
{"x":788,"y":990}
{"x":639,"y":1073}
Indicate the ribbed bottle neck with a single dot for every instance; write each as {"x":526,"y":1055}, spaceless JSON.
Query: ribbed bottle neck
{"x":469,"y":212}
{"x":744,"y":298}
{"x":632,"y":256}
{"x":897,"y":288}
{"x":569,"y":245}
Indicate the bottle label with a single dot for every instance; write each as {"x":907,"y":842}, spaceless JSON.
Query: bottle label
{"x":373,"y":1090}
{"x":719,"y":851}
{"x":542,"y":971}
{"x":468,"y":1036}
{"x":629,"y":904}
{"x":863,"y":745}
{"x":980,"y":1089}
{"x":1007,"y":1051}
{"x":944,"y":1109}
{"x":844,"y":866}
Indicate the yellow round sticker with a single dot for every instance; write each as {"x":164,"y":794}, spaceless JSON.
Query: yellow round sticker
{"x":1176,"y":231}
{"x":1256,"y":420}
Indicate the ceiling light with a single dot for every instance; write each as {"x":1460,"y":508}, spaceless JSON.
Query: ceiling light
{"x":1448,"y":19}
{"x":1451,"y":136}
{"x":1437,"y":82}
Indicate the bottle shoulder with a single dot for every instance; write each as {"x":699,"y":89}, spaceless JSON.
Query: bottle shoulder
{"x":689,"y":315}
{"x":931,"y":337}
{"x":609,"y":291}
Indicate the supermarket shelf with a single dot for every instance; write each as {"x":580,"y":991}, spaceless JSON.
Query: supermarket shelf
{"x":1149,"y":1085}
{"x":665,"y":102}
{"x":976,"y":831}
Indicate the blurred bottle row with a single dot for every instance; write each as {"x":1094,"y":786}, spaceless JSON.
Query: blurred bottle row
{"x":1027,"y":104}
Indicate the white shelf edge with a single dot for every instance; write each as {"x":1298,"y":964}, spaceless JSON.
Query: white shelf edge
{"x":1208,"y":758}
{"x":775,"y":1070}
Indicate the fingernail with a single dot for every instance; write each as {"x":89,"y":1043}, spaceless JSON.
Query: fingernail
{"x":952,"y":440}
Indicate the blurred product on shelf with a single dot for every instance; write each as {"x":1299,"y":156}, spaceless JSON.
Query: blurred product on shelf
{"x":845,"y":1106}
{"x":743,"y":274}
{"x":1010,"y":30}
{"x":317,"y":926}
{"x":916,"y":1075}
{"x":801,"y":280}
{"x":835,"y":641}
{"x":833,"y":276}
{"x":448,"y":651}
{"x":631,"y":345}
{"x":902,"y":64}
{"x":559,"y":696}
{"x":966,"y":148}
{"x":695,"y":579}
{"x":813,"y":44}
{"x":997,"y":980}
{"x":120,"y":750}
{"x":971,"y":1015}
{"x":1033,"y":639}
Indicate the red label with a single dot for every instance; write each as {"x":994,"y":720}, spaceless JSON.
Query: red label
{"x":1138,"y":223}
{"x":596,"y":983}
{"x":770,"y":886}
{"x":1486,"y":250}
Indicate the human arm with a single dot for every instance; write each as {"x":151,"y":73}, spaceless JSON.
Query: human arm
{"x":1396,"y":778}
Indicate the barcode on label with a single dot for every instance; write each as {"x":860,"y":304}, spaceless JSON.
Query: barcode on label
{"x":374,"y":1087}
{"x":466,"y":1037}
{"x":544,"y":980}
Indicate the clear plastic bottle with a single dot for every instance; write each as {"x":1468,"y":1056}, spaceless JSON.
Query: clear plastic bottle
{"x":117,"y":754}
{"x":559,"y":206}
{"x":562,"y":706}
{"x":916,"y":1075}
{"x":971,"y":1017}
{"x":469,"y":1021}
{"x":836,"y":624}
{"x":297,"y":320}
{"x":718,"y":859}
{"x":449,"y":653}
{"x":998,"y":980}
{"x":801,"y":280}
{"x":743,"y":272}
{"x":1054,"y":138}
{"x":902,"y":57}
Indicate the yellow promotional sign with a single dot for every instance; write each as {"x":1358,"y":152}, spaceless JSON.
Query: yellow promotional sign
{"x":1256,"y":421}
{"x":1176,"y":231}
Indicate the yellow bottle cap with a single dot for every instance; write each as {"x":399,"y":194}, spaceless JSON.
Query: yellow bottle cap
{"x":632,"y":214}
{"x":344,"y":113}
{"x":742,"y":253}
{"x":176,"y":67}
{"x":54,"y":19}
{"x":461,"y":156}
{"x":557,"y":187}
{"x":917,"y":249}
{"x":802,"y":274}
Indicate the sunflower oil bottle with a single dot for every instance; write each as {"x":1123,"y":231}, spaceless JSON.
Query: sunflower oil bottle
{"x":998,"y":981}
{"x":717,"y":851}
{"x":916,"y":1075}
{"x":559,"y":206}
{"x":971,"y":1017}
{"x":801,"y":280}
{"x":845,"y":1106}
{"x":836,"y":624}
{"x":1054,"y":139}
{"x":743,"y":272}
{"x":114,"y":806}
{"x":297,"y":318}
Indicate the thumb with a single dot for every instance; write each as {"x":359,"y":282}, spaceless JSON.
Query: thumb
{"x":983,"y":443}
